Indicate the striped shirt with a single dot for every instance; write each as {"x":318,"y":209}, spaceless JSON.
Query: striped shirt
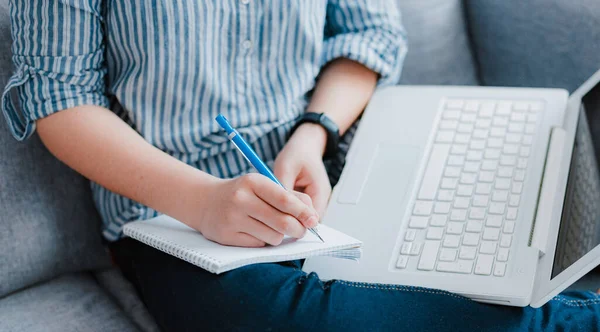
{"x":168,"y":68}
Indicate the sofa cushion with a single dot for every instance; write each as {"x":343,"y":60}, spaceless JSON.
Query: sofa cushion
{"x":539,"y":43}
{"x":70,"y":303}
{"x":48,"y":223}
{"x":439,"y":51}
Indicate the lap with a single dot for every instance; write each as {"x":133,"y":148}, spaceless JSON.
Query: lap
{"x":282,"y":297}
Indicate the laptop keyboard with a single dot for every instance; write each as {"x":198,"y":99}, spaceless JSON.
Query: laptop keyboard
{"x":466,"y":207}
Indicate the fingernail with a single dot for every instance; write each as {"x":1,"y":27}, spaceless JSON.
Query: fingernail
{"x":312,"y":221}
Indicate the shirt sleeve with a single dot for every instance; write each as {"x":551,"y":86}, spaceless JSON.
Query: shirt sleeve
{"x":369,"y":32}
{"x":58,"y":54}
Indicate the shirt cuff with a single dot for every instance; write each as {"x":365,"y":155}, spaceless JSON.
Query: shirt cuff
{"x":383,"y":53}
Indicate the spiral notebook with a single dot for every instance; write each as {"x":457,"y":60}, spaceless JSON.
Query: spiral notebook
{"x":175,"y":238}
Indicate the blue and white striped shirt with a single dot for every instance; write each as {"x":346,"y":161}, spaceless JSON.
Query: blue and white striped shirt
{"x":168,"y":68}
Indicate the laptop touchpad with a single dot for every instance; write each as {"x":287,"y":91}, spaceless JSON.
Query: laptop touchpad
{"x":389,"y":165}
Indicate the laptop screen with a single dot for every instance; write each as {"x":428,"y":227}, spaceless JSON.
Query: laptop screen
{"x":580,"y":222}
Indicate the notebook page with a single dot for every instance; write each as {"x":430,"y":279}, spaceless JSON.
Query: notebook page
{"x":176,"y":238}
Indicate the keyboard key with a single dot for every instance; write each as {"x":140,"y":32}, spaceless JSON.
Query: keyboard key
{"x":465,"y":128}
{"x":491,"y":234}
{"x":451,"y":115}
{"x":511,"y":214}
{"x":536,"y":107}
{"x":433,"y":172}
{"x":447,"y":255}
{"x":456,"y":160}
{"x":532,"y":117}
{"x":474,"y":226}
{"x":464,"y":190}
{"x":483,"y":188}
{"x":410,"y":235}
{"x":461,"y":203}
{"x":460,"y":266}
{"x":502,"y":255}
{"x":506,"y":240}
{"x":418,"y":222}
{"x":435,"y":233}
{"x":482,"y":124}
{"x":487,"y":110}
{"x":469,"y":118}
{"x":529,"y":129}
{"x":487,"y":247}
{"x":522,"y":163}
{"x":406,"y":247}
{"x":415,"y":250}
{"x":461,"y":138}
{"x":428,"y":256}
{"x":510,"y":149}
{"x":497,"y":208}
{"x":500,"y":121}
{"x":459,"y":149}
{"x":509,"y":227}
{"x":517,"y":117}
{"x":525,"y":151}
{"x":514,"y":200}
{"x":471,"y":167}
{"x":422,"y":208}
{"x":439,"y":220}
{"x":445,"y":195}
{"x":477,"y":213}
{"x":520,"y":175}
{"x":467,"y":252}
{"x":473,"y":155}
{"x":494,"y":221}
{"x":451,"y":241}
{"x":505,"y":171}
{"x":521,"y":106}
{"x":515,"y":127}
{"x":502,"y":183}
{"x":480,"y":200}
{"x":527,"y":140}
{"x":455,"y":103}
{"x":449,"y":124}
{"x":454,"y":228}
{"x":513,"y":138}
{"x":477,"y":144}
{"x":442,"y":207}
{"x":468,"y":178}
{"x":500,"y":269}
{"x":507,"y":160}
{"x":489,"y":165}
{"x":484,"y":265}
{"x":449,"y":183}
{"x":471,"y":106}
{"x":491,"y":154}
{"x":471,"y":239}
{"x":402,"y":262}
{"x":452,"y":172}
{"x":480,"y":133}
{"x":517,"y":187}
{"x":498,"y":132}
{"x":445,"y":136}
{"x":504,"y":108}
{"x":500,"y":195}
{"x":486,"y":176}
{"x":495,"y":142}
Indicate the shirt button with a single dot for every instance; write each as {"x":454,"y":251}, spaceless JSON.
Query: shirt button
{"x":245,"y":2}
{"x":247,"y":44}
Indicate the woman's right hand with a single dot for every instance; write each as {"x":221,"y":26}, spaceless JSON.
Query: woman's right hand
{"x":252,"y":210}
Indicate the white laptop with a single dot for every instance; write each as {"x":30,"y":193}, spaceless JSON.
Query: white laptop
{"x":491,"y":193}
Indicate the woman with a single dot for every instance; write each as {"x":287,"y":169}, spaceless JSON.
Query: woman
{"x":125,"y":92}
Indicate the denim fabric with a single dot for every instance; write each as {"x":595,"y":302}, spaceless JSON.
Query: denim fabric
{"x":277,"y":297}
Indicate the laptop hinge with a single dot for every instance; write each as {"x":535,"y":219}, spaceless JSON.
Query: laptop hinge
{"x":550,"y":180}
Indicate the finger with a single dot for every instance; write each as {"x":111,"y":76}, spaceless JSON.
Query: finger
{"x":285,"y":201}
{"x":246,"y":240}
{"x":319,"y":192}
{"x":280,"y":222}
{"x":285,"y":174}
{"x":305,"y":198}
{"x":262,"y":232}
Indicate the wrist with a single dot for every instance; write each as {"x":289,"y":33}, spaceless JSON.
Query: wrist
{"x":313,"y":135}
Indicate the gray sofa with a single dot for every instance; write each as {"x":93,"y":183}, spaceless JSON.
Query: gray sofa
{"x":55,"y":274}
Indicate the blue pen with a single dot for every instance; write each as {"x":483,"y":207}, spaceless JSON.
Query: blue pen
{"x":251,"y":156}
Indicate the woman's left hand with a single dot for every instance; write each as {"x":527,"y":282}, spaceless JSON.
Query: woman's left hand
{"x":299,"y":166}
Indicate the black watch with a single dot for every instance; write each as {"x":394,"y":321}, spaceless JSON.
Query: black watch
{"x":333,"y":132}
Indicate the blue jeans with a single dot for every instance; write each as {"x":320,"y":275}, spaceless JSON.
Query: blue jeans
{"x":277,"y":297}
